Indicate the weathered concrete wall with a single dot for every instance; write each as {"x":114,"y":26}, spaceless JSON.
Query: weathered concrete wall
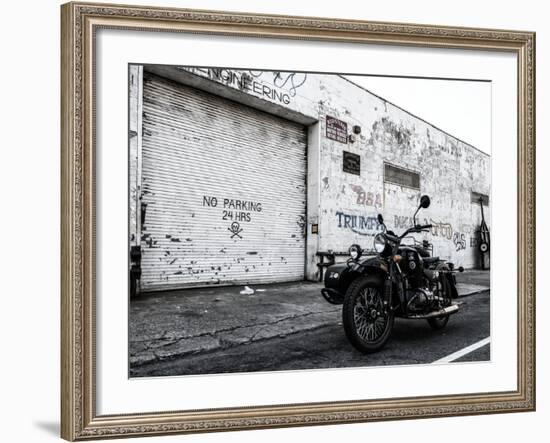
{"x":449,"y":171}
{"x":344,"y":205}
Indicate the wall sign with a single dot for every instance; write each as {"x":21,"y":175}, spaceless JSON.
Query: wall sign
{"x":352,"y":163}
{"x":337,"y":130}
{"x":236,"y":211}
{"x":271,"y":85}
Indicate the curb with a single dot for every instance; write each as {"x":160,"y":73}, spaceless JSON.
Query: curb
{"x":477,"y":291}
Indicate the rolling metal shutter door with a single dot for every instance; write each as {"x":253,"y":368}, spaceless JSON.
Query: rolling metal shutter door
{"x":223,"y":191}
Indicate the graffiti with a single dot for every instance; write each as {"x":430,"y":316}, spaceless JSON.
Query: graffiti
{"x":292,"y":80}
{"x":459,"y":240}
{"x":402,"y":222}
{"x":366,"y":198}
{"x":358,"y":223}
{"x":466,"y":228}
{"x":440,"y":229}
{"x":235,"y":230}
{"x":250,"y":82}
{"x":301,"y":222}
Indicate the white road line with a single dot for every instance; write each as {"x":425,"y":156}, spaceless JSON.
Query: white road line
{"x":456,"y":355}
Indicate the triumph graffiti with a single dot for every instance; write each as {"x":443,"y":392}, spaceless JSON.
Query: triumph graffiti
{"x":360,"y":224}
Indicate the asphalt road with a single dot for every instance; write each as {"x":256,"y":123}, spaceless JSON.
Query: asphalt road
{"x":412,"y":342}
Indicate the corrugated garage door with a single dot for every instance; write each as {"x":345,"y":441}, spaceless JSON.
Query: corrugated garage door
{"x":223,"y":191}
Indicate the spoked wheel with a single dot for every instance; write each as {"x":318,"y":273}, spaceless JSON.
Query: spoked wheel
{"x":367,"y":321}
{"x":437,"y":323}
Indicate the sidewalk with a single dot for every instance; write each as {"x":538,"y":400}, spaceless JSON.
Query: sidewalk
{"x":171,"y":324}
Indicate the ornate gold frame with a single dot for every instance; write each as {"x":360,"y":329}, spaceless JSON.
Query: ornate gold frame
{"x":79,"y":420}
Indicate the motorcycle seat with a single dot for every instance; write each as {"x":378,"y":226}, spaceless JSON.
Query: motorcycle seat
{"x":430,"y":260}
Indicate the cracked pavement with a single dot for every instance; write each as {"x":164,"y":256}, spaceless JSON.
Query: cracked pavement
{"x":178,"y":323}
{"x":412,"y":342}
{"x":175,"y":324}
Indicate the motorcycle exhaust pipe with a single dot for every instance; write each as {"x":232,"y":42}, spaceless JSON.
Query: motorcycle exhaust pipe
{"x":453,"y":309}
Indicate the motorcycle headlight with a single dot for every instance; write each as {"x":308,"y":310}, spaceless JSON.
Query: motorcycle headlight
{"x":379,"y":243}
{"x":355,"y":251}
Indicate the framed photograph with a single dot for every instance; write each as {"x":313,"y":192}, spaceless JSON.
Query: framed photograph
{"x":277,"y":221}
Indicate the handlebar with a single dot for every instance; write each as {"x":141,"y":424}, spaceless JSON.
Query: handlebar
{"x":417,"y":228}
{"x":393,"y":238}
{"x":423,"y":227}
{"x":398,"y":238}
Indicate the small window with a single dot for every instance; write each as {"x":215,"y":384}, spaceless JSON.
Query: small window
{"x":476,"y":196}
{"x":400,"y":176}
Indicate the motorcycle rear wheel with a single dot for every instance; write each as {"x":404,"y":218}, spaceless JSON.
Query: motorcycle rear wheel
{"x":367,"y":321}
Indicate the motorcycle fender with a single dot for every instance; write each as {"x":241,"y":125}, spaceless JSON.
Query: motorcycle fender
{"x":450,"y":277}
{"x":453,"y":287}
{"x":374,"y":264}
{"x":336,"y":278}
{"x":339,"y":276}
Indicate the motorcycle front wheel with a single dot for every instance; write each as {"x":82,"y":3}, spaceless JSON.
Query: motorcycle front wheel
{"x":367,"y":321}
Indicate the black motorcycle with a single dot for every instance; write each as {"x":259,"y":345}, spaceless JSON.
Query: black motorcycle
{"x":399,"y":281}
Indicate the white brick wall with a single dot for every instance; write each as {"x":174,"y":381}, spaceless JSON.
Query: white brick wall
{"x":449,"y":168}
